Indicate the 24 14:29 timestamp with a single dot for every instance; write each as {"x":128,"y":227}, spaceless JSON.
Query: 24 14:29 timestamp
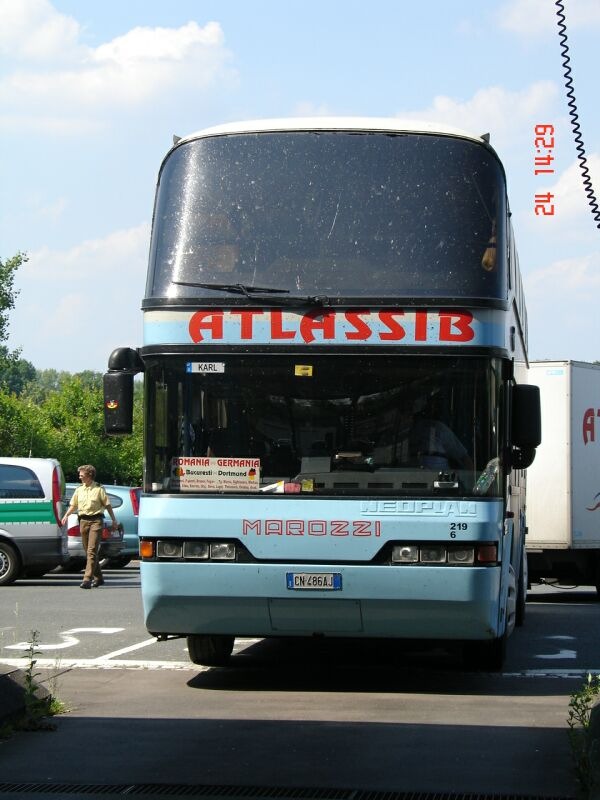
{"x":542,"y":163}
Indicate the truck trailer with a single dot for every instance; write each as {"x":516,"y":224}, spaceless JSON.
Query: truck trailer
{"x":563,"y":483}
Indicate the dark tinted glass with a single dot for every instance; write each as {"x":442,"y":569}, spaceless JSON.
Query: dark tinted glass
{"x":341,"y":214}
{"x":359,"y":425}
{"x":19,"y":483}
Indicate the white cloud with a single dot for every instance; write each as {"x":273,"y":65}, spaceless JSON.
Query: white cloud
{"x":494,"y":109}
{"x":71,"y":85}
{"x":569,"y":274}
{"x":572,"y":225}
{"x":534,"y":18}
{"x":34,"y":30}
{"x":563,"y":317}
{"x":84,"y":300}
{"x":569,"y":193}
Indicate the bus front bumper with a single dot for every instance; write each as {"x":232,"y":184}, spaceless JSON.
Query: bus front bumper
{"x":252,"y":600}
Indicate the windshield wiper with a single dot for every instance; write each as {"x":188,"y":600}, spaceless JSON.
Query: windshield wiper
{"x":234,"y":288}
{"x":252,"y":292}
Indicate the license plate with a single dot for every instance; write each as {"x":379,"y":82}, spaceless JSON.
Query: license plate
{"x":323,"y":581}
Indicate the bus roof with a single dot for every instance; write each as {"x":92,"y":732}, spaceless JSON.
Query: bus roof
{"x":363,"y":124}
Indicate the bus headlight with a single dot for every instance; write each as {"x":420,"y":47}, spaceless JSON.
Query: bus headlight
{"x":195,"y":550}
{"x":167,"y":549}
{"x":461,"y":555}
{"x":405,"y":553}
{"x":222,"y":551}
{"x":433,"y":554}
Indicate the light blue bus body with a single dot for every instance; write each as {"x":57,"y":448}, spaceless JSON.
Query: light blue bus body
{"x":334,"y":359}
{"x":253,"y":600}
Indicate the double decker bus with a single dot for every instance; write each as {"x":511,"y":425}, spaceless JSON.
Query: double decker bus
{"x":336,"y":414}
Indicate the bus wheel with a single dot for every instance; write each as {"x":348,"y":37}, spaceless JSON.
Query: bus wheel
{"x":9,"y":564}
{"x":487,"y":655}
{"x":210,"y":651}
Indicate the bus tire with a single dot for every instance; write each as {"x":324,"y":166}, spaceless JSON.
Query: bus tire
{"x":486,"y":655}
{"x":10,"y":564}
{"x":210,"y":650}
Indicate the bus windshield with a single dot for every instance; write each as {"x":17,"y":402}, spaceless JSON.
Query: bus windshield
{"x":366,"y":425}
{"x":343,"y":215}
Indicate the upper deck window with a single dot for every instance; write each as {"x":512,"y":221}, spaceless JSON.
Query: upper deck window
{"x":342,"y":214}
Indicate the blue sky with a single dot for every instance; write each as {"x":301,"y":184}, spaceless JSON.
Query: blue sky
{"x":92,"y":91}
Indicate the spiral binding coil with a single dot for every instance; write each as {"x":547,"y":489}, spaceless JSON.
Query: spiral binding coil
{"x":579,"y":146}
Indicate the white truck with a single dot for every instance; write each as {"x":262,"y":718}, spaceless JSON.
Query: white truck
{"x":563,"y":483}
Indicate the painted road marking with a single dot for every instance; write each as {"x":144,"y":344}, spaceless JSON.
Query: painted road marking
{"x":129,"y":649}
{"x":68,"y":639}
{"x":94,"y":663}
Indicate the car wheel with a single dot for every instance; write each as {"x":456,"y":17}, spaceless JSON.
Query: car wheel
{"x":210,"y":651}
{"x":10,"y":564}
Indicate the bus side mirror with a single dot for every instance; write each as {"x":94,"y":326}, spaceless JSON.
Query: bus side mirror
{"x":526,"y":424}
{"x":118,"y":403}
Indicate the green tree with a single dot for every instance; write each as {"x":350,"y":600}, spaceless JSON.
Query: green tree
{"x":12,"y":369}
{"x":21,"y":431}
{"x":15,"y":373}
{"x":8,"y":294}
{"x":73,"y":427}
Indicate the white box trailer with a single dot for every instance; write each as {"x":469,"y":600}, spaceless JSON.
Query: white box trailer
{"x":563,"y":483}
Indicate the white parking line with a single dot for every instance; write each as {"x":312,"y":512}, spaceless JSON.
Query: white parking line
{"x":94,"y":663}
{"x":129,"y":649}
{"x":131,"y":664}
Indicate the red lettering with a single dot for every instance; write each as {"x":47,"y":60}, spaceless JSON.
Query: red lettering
{"x":294,"y":527}
{"x":339,"y":527}
{"x":361,"y":528}
{"x":206,"y":321}
{"x":314,"y":527}
{"x":317,"y":321}
{"x":396,"y":331}
{"x":273,"y":526}
{"x":317,"y":527}
{"x":589,"y":425}
{"x":455,"y":326}
{"x":246,"y":320}
{"x":421,"y":325}
{"x":277,"y":331}
{"x":251,"y":526}
{"x":362,"y":330}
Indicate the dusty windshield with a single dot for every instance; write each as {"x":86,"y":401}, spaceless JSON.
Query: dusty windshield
{"x":340,"y":214}
{"x":325,"y":425}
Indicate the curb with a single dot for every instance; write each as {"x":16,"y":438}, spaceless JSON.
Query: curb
{"x":12,"y":693}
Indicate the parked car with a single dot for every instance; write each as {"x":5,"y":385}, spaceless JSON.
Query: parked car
{"x":32,"y":540}
{"x":125,"y":502}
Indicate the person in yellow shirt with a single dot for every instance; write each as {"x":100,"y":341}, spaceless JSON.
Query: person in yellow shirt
{"x":90,"y":501}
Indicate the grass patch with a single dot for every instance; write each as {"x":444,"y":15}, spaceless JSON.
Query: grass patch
{"x":584,"y":737}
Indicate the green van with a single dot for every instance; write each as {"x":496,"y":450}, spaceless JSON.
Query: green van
{"x":32,"y":540}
